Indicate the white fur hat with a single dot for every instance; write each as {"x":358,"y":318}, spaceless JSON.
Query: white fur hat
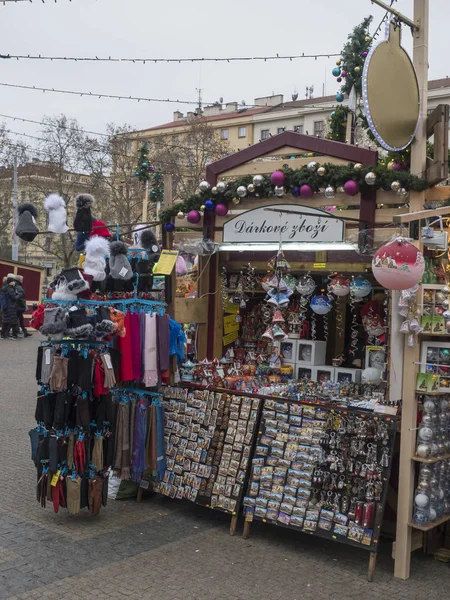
{"x":97,"y":249}
{"x":57,"y":214}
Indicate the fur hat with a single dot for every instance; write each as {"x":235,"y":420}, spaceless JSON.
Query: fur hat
{"x":149,"y":241}
{"x":100,"y":229}
{"x":97,"y":248}
{"x":26,"y":225}
{"x":57,"y":214}
{"x":119,"y":265}
{"x":83,"y":218}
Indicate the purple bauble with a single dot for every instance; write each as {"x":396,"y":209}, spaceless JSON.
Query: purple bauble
{"x":351,"y":188}
{"x":194,"y":216}
{"x":396,"y":167}
{"x":306,"y":191}
{"x":296,"y":191}
{"x":277,"y":178}
{"x":364,"y":54}
{"x":221,"y":210}
{"x":343,"y":73}
{"x":169,"y":227}
{"x":339,"y":79}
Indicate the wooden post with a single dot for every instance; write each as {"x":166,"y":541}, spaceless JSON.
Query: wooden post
{"x":372,"y":564}
{"x":409,"y":409}
{"x":145,"y":204}
{"x":246,"y":532}
{"x":233,"y":525}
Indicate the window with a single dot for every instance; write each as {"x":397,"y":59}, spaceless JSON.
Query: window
{"x":318,"y":128}
{"x":298,"y":128}
{"x":242,"y":132}
{"x":281,"y":129}
{"x":224,"y":134}
{"x":265,"y":134}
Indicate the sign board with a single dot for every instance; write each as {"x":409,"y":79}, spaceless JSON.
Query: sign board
{"x":262,"y":226}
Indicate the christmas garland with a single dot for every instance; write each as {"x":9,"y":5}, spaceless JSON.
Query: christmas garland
{"x":303,"y":182}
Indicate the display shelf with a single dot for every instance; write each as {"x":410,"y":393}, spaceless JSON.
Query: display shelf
{"x":432,"y":459}
{"x":427,"y":334}
{"x":433,"y":393}
{"x":431,"y":525}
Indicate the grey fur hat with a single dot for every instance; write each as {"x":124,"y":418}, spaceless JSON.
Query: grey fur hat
{"x":119,"y":265}
{"x":26,"y":226}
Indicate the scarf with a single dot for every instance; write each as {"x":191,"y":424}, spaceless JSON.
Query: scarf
{"x":122,"y":449}
{"x":161,"y":463}
{"x":151,"y":441}
{"x":136,"y":346}
{"x":150,"y":378}
{"x":139,"y":459}
{"x":125,"y":345}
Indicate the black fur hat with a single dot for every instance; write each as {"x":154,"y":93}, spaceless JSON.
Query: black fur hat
{"x":26,"y":227}
{"x":84,"y":200}
{"x":149,"y":241}
{"x":83,"y":219}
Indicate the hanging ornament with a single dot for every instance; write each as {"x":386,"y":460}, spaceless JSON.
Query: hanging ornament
{"x":241,"y":191}
{"x":370,"y":178}
{"x":236,"y":201}
{"x":277,"y":317}
{"x":339,"y":285}
{"x":321,"y":171}
{"x":329,"y":192}
{"x":250,"y":278}
{"x":214,"y":190}
{"x":321,"y":304}
{"x":202,"y":208}
{"x":336,"y":72}
{"x":313,"y":327}
{"x":295,"y":191}
{"x":325,"y":327}
{"x":357,"y":69}
{"x":277,"y":178}
{"x":340,"y":190}
{"x":221,"y":210}
{"x":353,"y":327}
{"x":351,"y":187}
{"x":390,"y":165}
{"x":395,"y":186}
{"x":398,"y":265}
{"x":402,"y":193}
{"x":357,"y":167}
{"x":339,"y":62}
{"x":306,"y":285}
{"x":306,"y":191}
{"x":340,"y":95}
{"x":360,"y":287}
{"x":279,"y":191}
{"x":221,"y":187}
{"x":181,"y":215}
{"x":250,"y":188}
{"x":209,"y":205}
{"x":204,"y":186}
{"x":169,"y":227}
{"x":339,"y":79}
{"x":312,"y":166}
{"x":344,"y":72}
{"x":193,"y":216}
{"x":268,"y":334}
{"x":258,"y":180}
{"x":371,"y":376}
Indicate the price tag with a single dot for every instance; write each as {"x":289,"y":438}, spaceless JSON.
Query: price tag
{"x":144,"y":484}
{"x":55,"y":478}
{"x":123,"y":271}
{"x":48,"y":355}
{"x":108,"y":361}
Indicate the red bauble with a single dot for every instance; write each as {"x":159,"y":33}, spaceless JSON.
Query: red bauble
{"x":398,"y":265}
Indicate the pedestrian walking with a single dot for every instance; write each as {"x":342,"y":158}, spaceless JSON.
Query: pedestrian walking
{"x":8,"y":304}
{"x":21,"y":305}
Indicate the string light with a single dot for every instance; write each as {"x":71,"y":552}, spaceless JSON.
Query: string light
{"x":29,"y":1}
{"x":144,"y":61}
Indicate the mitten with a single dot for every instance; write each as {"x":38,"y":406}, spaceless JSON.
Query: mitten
{"x":73,"y":495}
{"x":97,"y":453}
{"x":110,"y":378}
{"x":95,"y":494}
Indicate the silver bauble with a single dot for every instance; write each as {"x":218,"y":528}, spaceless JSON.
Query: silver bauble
{"x":214,"y":190}
{"x":329,"y":192}
{"x":250,"y":188}
{"x":423,"y":450}
{"x":312,"y":166}
{"x":358,"y":167}
{"x":446,"y":315}
{"x":241,"y":191}
{"x":370,"y":178}
{"x":340,"y":190}
{"x":402,"y":193}
{"x":221,"y":187}
{"x":395,"y":186}
{"x":236,"y":201}
{"x":181,"y":215}
{"x":279,"y":191}
{"x":202,"y":207}
{"x":425,"y":433}
{"x":440,"y":297}
{"x":204,"y":186}
{"x":258,"y":180}
{"x":321,"y":171}
{"x":446,"y":289}
{"x":445,"y":303}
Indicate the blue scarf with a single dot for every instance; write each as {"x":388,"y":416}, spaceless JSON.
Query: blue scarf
{"x":138,"y":459}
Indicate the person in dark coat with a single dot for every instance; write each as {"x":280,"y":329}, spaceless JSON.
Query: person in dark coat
{"x":21,"y":304}
{"x":9,"y":310}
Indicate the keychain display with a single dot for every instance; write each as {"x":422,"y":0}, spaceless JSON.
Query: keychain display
{"x":322,"y":471}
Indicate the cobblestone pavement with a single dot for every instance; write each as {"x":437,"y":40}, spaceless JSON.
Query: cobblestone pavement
{"x":162,"y":549}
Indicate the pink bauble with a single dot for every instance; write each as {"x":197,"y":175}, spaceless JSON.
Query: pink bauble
{"x":396,"y":167}
{"x":340,"y":285}
{"x":306,"y":191}
{"x":277,"y":178}
{"x":221,"y":210}
{"x":398,"y":265}
{"x":194,"y":216}
{"x":351,"y":188}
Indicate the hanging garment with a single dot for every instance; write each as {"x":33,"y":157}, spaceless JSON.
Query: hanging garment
{"x":40,"y":355}
{"x":150,"y":378}
{"x":162,"y":325}
{"x":47,"y":362}
{"x":132,"y":419}
{"x":151,"y":451}
{"x":58,"y":377}
{"x":177,"y":340}
{"x":136,"y":346}
{"x":161,"y":463}
{"x":95,"y":494}
{"x":122,"y":447}
{"x":142,"y":331}
{"x":97,"y":453}
{"x":109,"y":377}
{"x":99,"y":379}
{"x":138,"y":459}
{"x":73,"y":496}
{"x":124,"y":345}
{"x":58,"y":496}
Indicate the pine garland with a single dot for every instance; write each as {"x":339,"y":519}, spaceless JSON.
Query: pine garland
{"x":337,"y":124}
{"x":353,"y":58}
{"x":335,"y":176}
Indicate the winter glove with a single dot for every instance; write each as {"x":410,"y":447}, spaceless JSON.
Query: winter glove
{"x":73,"y":495}
{"x":95,"y":494}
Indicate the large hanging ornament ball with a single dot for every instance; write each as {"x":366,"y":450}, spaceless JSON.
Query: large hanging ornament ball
{"x":395,"y":186}
{"x":371,"y":376}
{"x":321,"y":304}
{"x":339,"y":285}
{"x":398,"y":265}
{"x":169,"y":227}
{"x":194,"y":216}
{"x":306,"y":191}
{"x":370,"y":178}
{"x":204,"y":186}
{"x":357,"y":69}
{"x":214,"y":190}
{"x":351,"y":187}
{"x":277,"y":178}
{"x":221,"y":210}
{"x":357,"y":167}
{"x":321,"y":171}
{"x":181,"y":215}
{"x":360,"y":287}
{"x":306,"y":285}
{"x":241,"y":191}
{"x":236,"y":201}
{"x":329,"y":192}
{"x":339,"y":97}
{"x":258,"y":180}
{"x":296,"y":191}
{"x":279,"y":191}
{"x":221,"y":187}
{"x":209,"y":205}
{"x":251,"y":188}
{"x":312,"y":166}
{"x":402,"y":193}
{"x":421,"y":499}
{"x":336,"y":72}
{"x":344,"y":72}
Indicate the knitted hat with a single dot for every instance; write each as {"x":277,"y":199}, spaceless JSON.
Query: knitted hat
{"x":100,"y":229}
{"x":26,"y":225}
{"x":149,"y":241}
{"x":119,"y":264}
{"x":57,"y":214}
{"x":83,"y":218}
{"x":54,"y":322}
{"x":96,"y":250}
{"x":75,"y":280}
{"x":80,"y":241}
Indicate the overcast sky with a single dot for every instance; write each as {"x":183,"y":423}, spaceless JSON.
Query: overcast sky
{"x":177,"y":28}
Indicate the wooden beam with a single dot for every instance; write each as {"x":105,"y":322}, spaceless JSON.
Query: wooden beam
{"x":421,"y":214}
{"x":266,"y":167}
{"x":437,"y":125}
{"x":438,"y":193}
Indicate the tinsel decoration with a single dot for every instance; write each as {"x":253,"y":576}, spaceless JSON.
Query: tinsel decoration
{"x":224,"y":288}
{"x":325,"y":327}
{"x":250,"y":279}
{"x":353,"y":327}
{"x":313,"y":327}
{"x":339,"y":321}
